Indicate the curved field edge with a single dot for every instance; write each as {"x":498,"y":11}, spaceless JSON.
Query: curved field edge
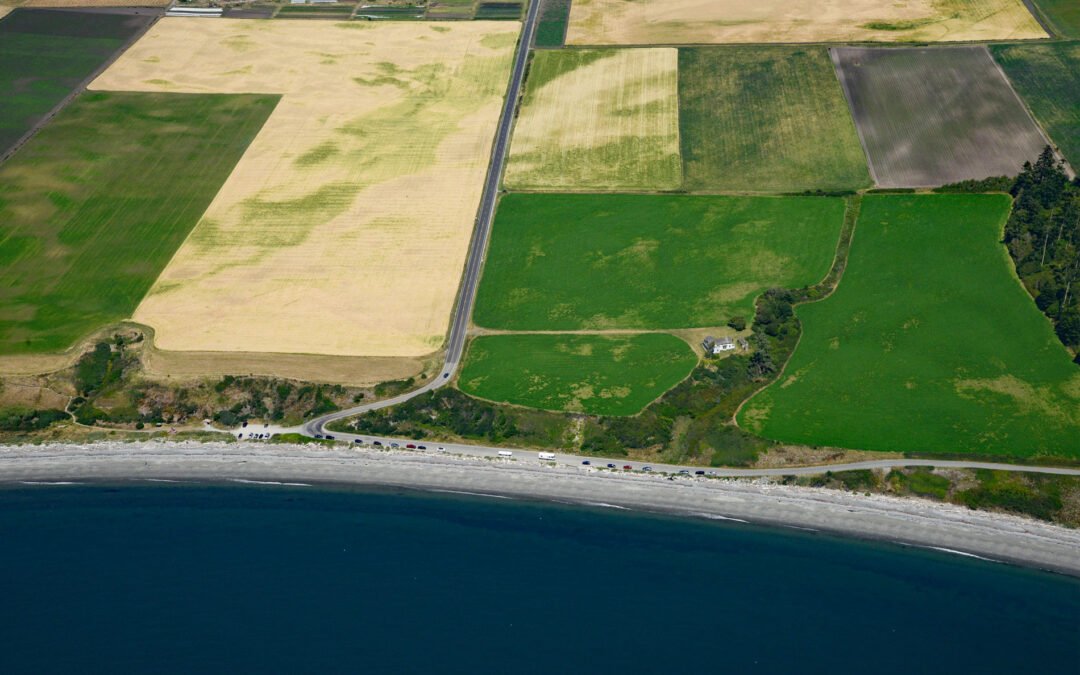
{"x":594,"y":374}
{"x":566,"y":262}
{"x":931,"y":345}
{"x":94,"y":206}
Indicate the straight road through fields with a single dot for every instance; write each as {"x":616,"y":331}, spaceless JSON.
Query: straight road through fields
{"x":477,"y":245}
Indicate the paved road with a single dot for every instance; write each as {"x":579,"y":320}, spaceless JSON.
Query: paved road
{"x":576,"y":460}
{"x":477,"y":246}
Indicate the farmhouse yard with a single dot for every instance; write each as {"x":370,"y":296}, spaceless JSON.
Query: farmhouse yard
{"x":343,"y":229}
{"x":930,"y":344}
{"x":936,"y":115}
{"x":598,"y":119}
{"x":592,"y":262}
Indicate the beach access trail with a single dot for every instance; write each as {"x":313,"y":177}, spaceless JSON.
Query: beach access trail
{"x":917,"y":522}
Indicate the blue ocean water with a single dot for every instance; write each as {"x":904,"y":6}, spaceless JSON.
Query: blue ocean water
{"x":234,"y":579}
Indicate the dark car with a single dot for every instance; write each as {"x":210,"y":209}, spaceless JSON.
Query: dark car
{"x":586,"y":462}
{"x":611,"y":466}
{"x":699,"y":473}
{"x":421,"y":447}
{"x":318,"y":435}
{"x":330,"y":438}
{"x":378,"y":443}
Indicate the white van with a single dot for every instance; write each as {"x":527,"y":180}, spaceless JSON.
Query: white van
{"x":546,"y":455}
{"x":505,"y":453}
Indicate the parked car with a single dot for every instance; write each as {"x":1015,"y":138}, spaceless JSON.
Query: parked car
{"x":410,"y":446}
{"x":627,"y":467}
{"x":646,"y":468}
{"x":378,"y":443}
{"x":684,"y":471}
{"x":699,"y":473}
{"x":318,"y":435}
{"x":358,"y":441}
{"x":421,"y":447}
{"x":394,"y":445}
{"x":441,"y":449}
{"x":611,"y":466}
{"x":586,"y":462}
{"x":330,"y":438}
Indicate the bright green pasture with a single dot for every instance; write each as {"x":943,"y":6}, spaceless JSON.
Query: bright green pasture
{"x":597,"y":374}
{"x":95,"y":205}
{"x":44,"y":54}
{"x":930,"y":344}
{"x":1063,"y":16}
{"x":572,"y":262}
{"x":1048,"y":77}
{"x":766,"y":119}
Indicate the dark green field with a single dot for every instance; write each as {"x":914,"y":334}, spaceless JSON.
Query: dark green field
{"x":1063,"y":16}
{"x":596,"y":374}
{"x":498,"y":11}
{"x":930,"y":344}
{"x":571,"y":262}
{"x":766,"y":119}
{"x":45,"y":54}
{"x":551,"y":29}
{"x":95,"y":205}
{"x":1047,"y":76}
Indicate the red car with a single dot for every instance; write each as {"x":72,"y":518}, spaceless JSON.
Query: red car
{"x":411,"y":446}
{"x":627,"y":467}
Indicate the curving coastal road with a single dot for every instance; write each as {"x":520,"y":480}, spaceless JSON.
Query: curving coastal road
{"x":477,"y":245}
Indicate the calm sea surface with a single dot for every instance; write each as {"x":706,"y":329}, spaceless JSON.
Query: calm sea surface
{"x":238,"y":579}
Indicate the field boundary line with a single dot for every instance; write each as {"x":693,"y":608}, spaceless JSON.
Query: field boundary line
{"x":1031,"y":115}
{"x":81,"y":87}
{"x":854,"y":208}
{"x":838,"y":71}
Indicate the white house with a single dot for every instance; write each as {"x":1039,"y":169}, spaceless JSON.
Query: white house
{"x":714,"y":346}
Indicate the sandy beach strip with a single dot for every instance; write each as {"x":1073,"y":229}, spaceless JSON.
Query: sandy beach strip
{"x":917,"y":522}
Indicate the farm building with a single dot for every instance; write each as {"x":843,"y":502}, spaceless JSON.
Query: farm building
{"x":714,"y":346}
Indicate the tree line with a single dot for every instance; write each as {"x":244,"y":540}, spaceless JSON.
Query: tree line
{"x":1043,"y":238}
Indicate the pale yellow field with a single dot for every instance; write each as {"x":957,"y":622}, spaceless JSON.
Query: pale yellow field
{"x":606,"y":22}
{"x":5,"y":10}
{"x":599,"y":119}
{"x":343,"y":229}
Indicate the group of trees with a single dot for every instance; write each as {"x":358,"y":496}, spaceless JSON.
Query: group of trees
{"x":1043,"y":238}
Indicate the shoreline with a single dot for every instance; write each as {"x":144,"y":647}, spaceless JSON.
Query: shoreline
{"x":915,"y":522}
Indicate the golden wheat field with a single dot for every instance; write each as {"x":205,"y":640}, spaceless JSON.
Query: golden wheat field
{"x":343,"y":229}
{"x":608,"y":22}
{"x":599,"y":118}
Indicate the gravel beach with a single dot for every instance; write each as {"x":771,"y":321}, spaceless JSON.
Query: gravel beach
{"x":918,"y":522}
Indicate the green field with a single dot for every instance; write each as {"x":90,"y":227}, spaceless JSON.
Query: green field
{"x":930,"y":344}
{"x":1063,"y":16}
{"x":596,"y":374}
{"x":1047,"y":76}
{"x":766,"y":119}
{"x":551,"y":28}
{"x":95,"y":205}
{"x":45,"y":54}
{"x":572,"y":262}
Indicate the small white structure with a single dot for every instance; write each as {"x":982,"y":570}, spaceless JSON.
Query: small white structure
{"x":714,"y":346}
